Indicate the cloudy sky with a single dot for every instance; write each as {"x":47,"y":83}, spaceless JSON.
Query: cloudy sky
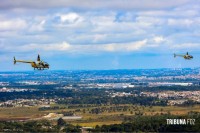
{"x":99,"y":34}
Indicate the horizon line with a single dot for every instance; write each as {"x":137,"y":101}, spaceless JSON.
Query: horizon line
{"x":96,"y":69}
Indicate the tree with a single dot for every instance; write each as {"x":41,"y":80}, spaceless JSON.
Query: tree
{"x":61,"y":122}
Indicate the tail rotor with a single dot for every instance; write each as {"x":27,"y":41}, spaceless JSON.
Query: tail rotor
{"x":38,"y":58}
{"x":14,"y":61}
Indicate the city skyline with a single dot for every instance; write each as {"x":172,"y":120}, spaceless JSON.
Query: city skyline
{"x":72,"y":35}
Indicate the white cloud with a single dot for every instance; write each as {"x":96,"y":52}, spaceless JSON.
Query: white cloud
{"x":194,"y":46}
{"x":99,"y":37}
{"x":94,"y":4}
{"x":149,"y":21}
{"x":37,"y":26}
{"x":180,"y":22}
{"x":156,"y":43}
{"x":158,"y":39}
{"x":106,"y":23}
{"x":99,"y":30}
{"x":13,"y":24}
{"x":133,"y":46}
{"x":46,"y":47}
{"x":170,"y":13}
{"x":66,"y":47}
{"x":70,"y":18}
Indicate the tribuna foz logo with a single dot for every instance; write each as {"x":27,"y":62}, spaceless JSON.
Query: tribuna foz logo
{"x":180,"y":121}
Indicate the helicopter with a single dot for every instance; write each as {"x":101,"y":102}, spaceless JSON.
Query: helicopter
{"x":39,"y":65}
{"x":186,"y":56}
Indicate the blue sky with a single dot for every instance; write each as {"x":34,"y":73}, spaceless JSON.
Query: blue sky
{"x":99,"y":34}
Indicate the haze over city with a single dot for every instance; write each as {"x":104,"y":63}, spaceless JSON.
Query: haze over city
{"x":99,"y":34}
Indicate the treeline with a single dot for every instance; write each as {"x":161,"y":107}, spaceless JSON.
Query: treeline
{"x":50,"y":108}
{"x":115,"y":100}
{"x":157,"y":123}
{"x":38,"y":94}
{"x":38,"y":126}
{"x":51,"y":93}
